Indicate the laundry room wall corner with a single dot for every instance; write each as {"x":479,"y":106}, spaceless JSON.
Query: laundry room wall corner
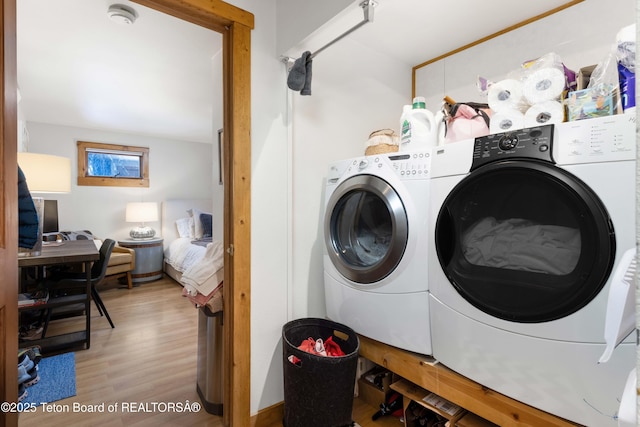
{"x":355,"y":91}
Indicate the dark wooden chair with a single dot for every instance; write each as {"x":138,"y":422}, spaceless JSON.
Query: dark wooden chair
{"x":69,"y":281}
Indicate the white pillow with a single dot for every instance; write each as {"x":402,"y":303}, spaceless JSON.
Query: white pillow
{"x":184,"y":230}
{"x":192,"y":228}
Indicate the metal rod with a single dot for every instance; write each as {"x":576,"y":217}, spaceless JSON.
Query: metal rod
{"x":367,"y":6}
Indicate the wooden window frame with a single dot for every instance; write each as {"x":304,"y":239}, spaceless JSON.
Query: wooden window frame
{"x":100,"y":181}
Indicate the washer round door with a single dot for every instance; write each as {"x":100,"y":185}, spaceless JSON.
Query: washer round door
{"x":366,"y":229}
{"x":525,"y":241}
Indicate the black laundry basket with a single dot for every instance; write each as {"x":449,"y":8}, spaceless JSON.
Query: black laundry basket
{"x":318,"y":391}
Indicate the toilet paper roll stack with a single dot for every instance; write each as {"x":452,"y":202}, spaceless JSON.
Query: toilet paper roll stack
{"x":506,"y":100}
{"x":506,"y":95}
{"x":506,"y":120}
{"x":534,"y":101}
{"x":544,"y":84}
{"x":544,"y":113}
{"x":543,"y":89}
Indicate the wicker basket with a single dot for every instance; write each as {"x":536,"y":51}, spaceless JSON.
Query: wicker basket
{"x":381,"y":149}
{"x":382,"y":141}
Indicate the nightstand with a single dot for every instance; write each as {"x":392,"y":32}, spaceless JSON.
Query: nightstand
{"x":149,"y":257}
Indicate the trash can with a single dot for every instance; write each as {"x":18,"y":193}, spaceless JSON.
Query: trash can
{"x":318,"y":390}
{"x":209,"y":362}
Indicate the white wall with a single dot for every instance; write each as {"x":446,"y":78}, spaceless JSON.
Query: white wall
{"x":355,"y":91}
{"x":177,"y":169}
{"x":297,"y":19}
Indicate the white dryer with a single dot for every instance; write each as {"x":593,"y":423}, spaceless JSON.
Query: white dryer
{"x":528,"y":228}
{"x":375,"y":232}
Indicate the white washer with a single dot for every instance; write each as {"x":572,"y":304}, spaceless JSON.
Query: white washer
{"x":525,"y":254}
{"x":375,"y":230}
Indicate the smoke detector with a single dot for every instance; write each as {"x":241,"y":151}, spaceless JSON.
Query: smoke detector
{"x":122,"y":14}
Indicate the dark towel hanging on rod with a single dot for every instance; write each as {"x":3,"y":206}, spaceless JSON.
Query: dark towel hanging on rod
{"x":299,"y":77}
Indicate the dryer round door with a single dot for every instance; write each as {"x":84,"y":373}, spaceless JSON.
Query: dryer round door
{"x":525,"y":241}
{"x":366,"y":229}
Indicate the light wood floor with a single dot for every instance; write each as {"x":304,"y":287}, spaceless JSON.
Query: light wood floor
{"x":149,"y":357}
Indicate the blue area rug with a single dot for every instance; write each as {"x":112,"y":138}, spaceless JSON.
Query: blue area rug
{"x":57,"y":379}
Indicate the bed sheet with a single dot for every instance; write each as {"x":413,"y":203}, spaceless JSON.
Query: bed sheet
{"x":181,"y":254}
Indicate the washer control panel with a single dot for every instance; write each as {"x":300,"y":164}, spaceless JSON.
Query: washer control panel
{"x":411,"y":165}
{"x":529,"y":143}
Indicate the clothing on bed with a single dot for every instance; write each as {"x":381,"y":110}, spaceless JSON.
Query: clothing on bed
{"x":194,"y":258}
{"x":203,"y":242}
{"x":204,"y":275}
{"x":202,"y":270}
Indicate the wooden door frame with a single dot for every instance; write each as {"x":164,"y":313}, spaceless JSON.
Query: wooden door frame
{"x":235,"y":25}
{"x":8,"y":214}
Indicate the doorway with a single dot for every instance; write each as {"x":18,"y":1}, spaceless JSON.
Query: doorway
{"x":235,"y":25}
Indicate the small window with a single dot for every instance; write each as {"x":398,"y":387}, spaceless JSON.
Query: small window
{"x":112,"y":165}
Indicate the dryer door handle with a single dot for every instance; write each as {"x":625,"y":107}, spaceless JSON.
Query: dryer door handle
{"x":445,"y":237}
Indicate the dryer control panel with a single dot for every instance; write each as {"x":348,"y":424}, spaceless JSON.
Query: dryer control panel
{"x":529,"y":143}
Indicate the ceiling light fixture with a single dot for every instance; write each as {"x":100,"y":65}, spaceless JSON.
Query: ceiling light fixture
{"x":122,"y":14}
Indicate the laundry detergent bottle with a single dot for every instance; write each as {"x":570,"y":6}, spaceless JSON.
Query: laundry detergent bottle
{"x":417,"y":127}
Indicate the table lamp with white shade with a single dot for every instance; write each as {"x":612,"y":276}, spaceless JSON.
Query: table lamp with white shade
{"x":142,"y":212}
{"x":44,"y":173}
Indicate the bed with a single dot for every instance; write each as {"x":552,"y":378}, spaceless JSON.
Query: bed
{"x":191,"y":256}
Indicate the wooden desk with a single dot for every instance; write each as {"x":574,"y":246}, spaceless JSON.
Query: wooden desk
{"x":67,"y":252}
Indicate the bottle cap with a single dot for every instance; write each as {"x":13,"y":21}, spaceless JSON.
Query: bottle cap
{"x":418,"y":102}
